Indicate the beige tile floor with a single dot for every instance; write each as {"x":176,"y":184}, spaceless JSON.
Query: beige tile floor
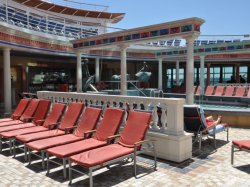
{"x":209,"y":168}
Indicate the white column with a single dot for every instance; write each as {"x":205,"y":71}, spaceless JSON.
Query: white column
{"x":202,"y":72}
{"x":79,"y":73}
{"x":160,"y":74}
{"x":123,"y":70}
{"x":177,"y":65}
{"x":97,"y":69}
{"x":190,"y":71}
{"x":7,"y":80}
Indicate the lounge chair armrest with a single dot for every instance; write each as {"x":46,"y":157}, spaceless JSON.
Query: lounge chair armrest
{"x":53,"y":125}
{"x":25,"y":120}
{"x":40,"y":122}
{"x":211,"y":127}
{"x":15,"y":117}
{"x":110,"y":138}
{"x":87,"y":133}
{"x":137,"y":144}
{"x":68,"y":130}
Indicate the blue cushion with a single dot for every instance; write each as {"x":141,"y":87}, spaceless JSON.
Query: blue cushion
{"x":218,"y":128}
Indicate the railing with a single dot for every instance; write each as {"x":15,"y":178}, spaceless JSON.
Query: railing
{"x":166,"y":128}
{"x":169,"y":107}
{"x":46,"y":23}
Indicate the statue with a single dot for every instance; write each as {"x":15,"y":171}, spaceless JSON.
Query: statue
{"x":90,"y":78}
{"x":143,"y":75}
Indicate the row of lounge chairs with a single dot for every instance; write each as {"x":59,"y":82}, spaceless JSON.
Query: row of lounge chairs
{"x":239,"y":91}
{"x":77,"y":134}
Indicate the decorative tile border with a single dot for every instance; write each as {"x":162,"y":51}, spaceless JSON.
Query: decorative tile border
{"x":138,"y":35}
{"x":207,"y":49}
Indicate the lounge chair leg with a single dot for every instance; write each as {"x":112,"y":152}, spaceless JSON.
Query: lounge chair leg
{"x":90,"y":178}
{"x":43,"y":155}
{"x":29,"y":156}
{"x":135,"y":168}
{"x":200,"y":138}
{"x":10,"y":146}
{"x":64,"y":168}
{"x":214,"y":141}
{"x":14,"y":148}
{"x":155,"y":158}
{"x":227,"y":133}
{"x":232,"y":155}
{"x":25,"y":153}
{"x":0,"y":144}
{"x":70,"y":173}
{"x":47,"y":156}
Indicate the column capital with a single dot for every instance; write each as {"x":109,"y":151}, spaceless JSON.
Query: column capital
{"x":123,"y":46}
{"x":191,"y":37}
{"x":6,"y":48}
{"x":202,"y":57}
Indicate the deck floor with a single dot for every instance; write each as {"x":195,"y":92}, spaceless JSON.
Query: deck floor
{"x":209,"y":168}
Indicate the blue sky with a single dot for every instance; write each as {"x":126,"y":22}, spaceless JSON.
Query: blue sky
{"x":222,"y":16}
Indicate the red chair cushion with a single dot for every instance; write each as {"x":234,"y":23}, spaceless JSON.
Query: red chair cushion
{"x":101,"y":155}
{"x":8,"y":123}
{"x":135,"y":128}
{"x":18,"y":111}
{"x":110,"y":123}
{"x":42,"y":110}
{"x":219,"y":91}
{"x":22,"y":105}
{"x":209,"y":90}
{"x":30,"y":110}
{"x":88,"y":121}
{"x":229,"y":90}
{"x":13,"y":133}
{"x":71,"y":115}
{"x":5,"y":120}
{"x":39,"y":135}
{"x":55,"y":114}
{"x":75,"y":148}
{"x":15,"y":127}
{"x":242,"y":143}
{"x":52,"y":142}
{"x":240,"y":91}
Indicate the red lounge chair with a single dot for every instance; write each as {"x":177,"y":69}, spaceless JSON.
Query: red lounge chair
{"x":26,"y":116}
{"x":70,"y":119}
{"x":198,"y":90}
{"x":41,"y":112}
{"x":22,"y":105}
{"x":209,"y":90}
{"x":128,"y":145}
{"x":240,"y":145}
{"x":240,"y":91}
{"x":219,"y":91}
{"x":109,"y":126}
{"x":248,"y":92}
{"x":195,"y":88}
{"x":229,"y":91}
{"x":88,"y":122}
